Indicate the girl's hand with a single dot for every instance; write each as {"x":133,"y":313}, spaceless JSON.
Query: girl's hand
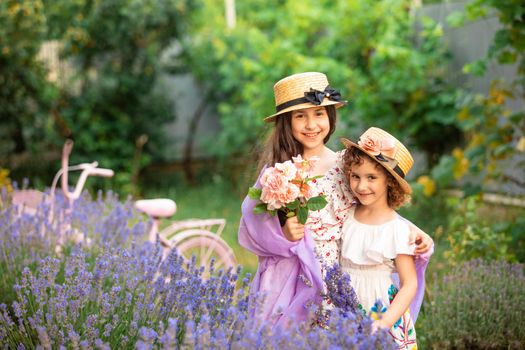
{"x":378,"y":324}
{"x":293,"y":230}
{"x":423,"y":241}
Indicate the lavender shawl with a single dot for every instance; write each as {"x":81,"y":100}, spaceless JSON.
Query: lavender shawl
{"x":421,"y":262}
{"x":288,"y":275}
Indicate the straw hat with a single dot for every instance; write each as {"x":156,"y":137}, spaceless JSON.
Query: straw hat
{"x":304,"y":90}
{"x":387,"y":151}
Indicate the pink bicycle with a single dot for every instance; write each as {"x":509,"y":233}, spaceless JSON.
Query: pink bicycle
{"x":193,"y":237}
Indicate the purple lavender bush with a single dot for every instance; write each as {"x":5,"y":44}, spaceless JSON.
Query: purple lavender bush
{"x":129,"y":299}
{"x":77,"y":301}
{"x":26,"y":239}
{"x":107,"y":220}
{"x":118,"y":292}
{"x":477,"y":305}
{"x":340,"y":291}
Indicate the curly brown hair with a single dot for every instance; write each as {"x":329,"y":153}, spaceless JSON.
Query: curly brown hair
{"x":396,"y":197}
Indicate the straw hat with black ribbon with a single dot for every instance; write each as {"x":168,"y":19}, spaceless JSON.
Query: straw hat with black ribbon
{"x":304,"y":90}
{"x":387,"y":151}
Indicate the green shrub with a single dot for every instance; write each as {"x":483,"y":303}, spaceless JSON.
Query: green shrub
{"x":392,"y":75}
{"x":471,"y":236}
{"x":478,"y":305}
{"x":494,"y":133}
{"x":428,"y":213}
{"x":516,"y":230}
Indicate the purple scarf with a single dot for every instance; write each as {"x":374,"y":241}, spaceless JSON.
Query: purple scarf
{"x":421,"y":263}
{"x":288,"y":275}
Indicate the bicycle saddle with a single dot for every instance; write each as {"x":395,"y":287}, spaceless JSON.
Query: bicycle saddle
{"x":159,"y":208}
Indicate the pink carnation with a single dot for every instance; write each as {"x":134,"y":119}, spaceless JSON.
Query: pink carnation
{"x":277,"y":191}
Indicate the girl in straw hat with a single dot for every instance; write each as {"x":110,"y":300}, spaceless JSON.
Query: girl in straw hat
{"x":289,"y":271}
{"x":375,"y":239}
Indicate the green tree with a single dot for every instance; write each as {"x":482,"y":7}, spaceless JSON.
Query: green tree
{"x":24,"y":91}
{"x":116,"y":47}
{"x":494,"y":147}
{"x":493,"y":133}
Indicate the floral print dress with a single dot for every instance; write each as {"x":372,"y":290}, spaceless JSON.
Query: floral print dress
{"x":325,"y":224}
{"x":367,"y":255}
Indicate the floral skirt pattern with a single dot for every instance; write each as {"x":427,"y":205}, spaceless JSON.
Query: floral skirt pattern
{"x":403,"y":331}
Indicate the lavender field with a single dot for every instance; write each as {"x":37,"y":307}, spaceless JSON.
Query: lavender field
{"x":114,"y":290}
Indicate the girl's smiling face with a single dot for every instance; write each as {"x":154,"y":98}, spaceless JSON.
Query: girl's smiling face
{"x":369,"y":183}
{"x":310,"y":126}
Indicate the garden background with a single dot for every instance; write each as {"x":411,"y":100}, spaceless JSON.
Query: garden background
{"x":171,"y":95}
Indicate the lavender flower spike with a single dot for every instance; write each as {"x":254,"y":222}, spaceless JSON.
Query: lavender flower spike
{"x":339,"y":289}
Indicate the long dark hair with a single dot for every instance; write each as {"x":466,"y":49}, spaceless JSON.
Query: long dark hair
{"x":281,"y":146}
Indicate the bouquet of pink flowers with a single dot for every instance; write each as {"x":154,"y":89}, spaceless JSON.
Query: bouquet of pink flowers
{"x":285,"y":187}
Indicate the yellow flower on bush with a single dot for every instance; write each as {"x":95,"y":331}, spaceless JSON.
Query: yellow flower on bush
{"x":13,"y":9}
{"x":429,"y":185}
{"x":462,"y":163}
{"x":464,"y":114}
{"x":497,"y":96}
{"x":477,"y":139}
{"x":491,"y":167}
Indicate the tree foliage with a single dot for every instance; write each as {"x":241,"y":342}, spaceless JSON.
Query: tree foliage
{"x":116,"y":46}
{"x":109,"y":96}
{"x":494,"y":134}
{"x":388,"y":62}
{"x":370,"y":50}
{"x":24,"y":91}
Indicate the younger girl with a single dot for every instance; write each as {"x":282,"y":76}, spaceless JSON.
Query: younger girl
{"x":375,"y":241}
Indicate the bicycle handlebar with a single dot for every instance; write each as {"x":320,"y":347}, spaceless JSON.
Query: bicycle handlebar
{"x":101,"y":172}
{"x":87,"y":170}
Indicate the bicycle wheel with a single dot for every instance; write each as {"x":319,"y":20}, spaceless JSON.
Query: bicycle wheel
{"x":206,"y":246}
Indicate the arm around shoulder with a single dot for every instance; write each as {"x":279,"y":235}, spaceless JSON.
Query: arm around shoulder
{"x":424,"y":243}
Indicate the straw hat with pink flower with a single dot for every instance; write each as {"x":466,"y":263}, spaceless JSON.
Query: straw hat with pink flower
{"x":387,"y":151}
